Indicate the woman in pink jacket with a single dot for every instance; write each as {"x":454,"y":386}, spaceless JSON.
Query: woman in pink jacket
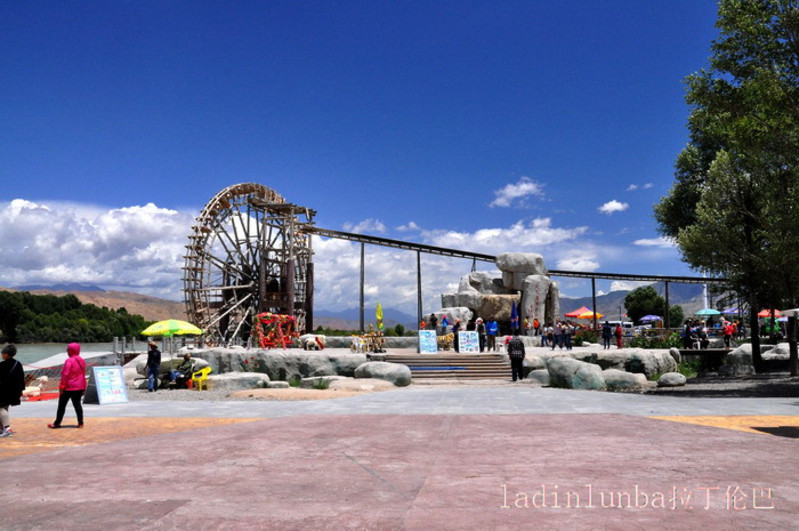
{"x":72,"y":386}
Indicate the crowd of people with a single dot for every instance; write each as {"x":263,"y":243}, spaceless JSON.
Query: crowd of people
{"x":696,"y":334}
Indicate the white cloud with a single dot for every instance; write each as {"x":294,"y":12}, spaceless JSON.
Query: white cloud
{"x":666,"y":243}
{"x":634,"y":187}
{"x":367,"y":226}
{"x":613,"y":206}
{"x":578,"y":261}
{"x":411,"y":226}
{"x":506,"y":195}
{"x":627,"y":285}
{"x":139,"y":248}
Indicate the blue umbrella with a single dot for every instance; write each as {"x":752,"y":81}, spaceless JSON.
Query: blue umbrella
{"x":649,"y":318}
{"x":731,"y":311}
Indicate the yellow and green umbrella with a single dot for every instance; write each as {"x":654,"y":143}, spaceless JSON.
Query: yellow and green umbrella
{"x":171,"y":327}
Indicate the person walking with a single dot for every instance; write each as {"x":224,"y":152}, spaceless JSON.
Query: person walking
{"x":557,"y":336}
{"x":12,"y":383}
{"x":568,"y":330}
{"x":516,"y":354}
{"x":481,"y":333}
{"x":153,"y":366}
{"x":536,"y":327}
{"x":618,"y":333}
{"x":728,"y":331}
{"x":456,"y":328}
{"x":72,"y":386}
{"x":492,"y":328}
{"x":545,"y":335}
{"x":607,"y":333}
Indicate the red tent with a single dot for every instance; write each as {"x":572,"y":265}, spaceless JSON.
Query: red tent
{"x":767,"y":313}
{"x":576,"y":313}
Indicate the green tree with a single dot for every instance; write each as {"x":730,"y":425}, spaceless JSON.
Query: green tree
{"x":646,"y":301}
{"x":735,"y":200}
{"x":11,"y":309}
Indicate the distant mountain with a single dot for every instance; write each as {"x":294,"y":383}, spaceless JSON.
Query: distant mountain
{"x":349,"y":319}
{"x":69,"y":287}
{"x":687,"y":296}
{"x":151,"y":308}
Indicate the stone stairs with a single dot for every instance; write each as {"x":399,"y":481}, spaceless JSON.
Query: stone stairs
{"x":454,"y":365}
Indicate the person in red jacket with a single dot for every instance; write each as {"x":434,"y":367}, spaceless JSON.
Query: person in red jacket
{"x":72,"y":386}
{"x":729,"y":330}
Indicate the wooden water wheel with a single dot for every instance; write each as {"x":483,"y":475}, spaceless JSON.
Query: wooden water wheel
{"x":248,"y":253}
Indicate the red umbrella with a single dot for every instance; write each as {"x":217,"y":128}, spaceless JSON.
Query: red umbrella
{"x":578,"y":312}
{"x":767,"y":313}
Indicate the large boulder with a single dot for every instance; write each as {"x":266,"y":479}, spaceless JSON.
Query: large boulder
{"x":535,"y":294}
{"x":237,"y":381}
{"x":781,"y":351}
{"x":399,"y":375}
{"x":540,"y":376}
{"x":649,"y":362}
{"x":671,"y":379}
{"x":740,"y":356}
{"x":314,"y":382}
{"x":533,"y":362}
{"x":482,"y":282}
{"x":516,"y":267}
{"x":570,"y":373}
{"x":281,"y":364}
{"x":618,"y":380}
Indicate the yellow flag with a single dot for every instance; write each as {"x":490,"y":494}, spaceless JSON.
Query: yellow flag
{"x":379,"y":315}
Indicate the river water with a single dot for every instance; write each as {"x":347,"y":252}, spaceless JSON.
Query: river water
{"x":29,"y":354}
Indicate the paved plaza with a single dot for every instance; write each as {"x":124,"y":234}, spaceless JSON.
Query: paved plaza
{"x":492,"y":456}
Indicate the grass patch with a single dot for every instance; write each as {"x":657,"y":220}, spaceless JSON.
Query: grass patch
{"x":322,"y":383}
{"x":295,"y":380}
{"x":689,"y":369}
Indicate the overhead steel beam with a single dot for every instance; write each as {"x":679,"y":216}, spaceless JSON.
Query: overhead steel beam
{"x":457,"y":253}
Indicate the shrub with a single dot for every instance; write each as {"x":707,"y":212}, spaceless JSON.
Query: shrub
{"x":321,"y":383}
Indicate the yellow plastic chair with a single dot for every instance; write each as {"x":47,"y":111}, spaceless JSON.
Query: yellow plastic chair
{"x":200,"y":377}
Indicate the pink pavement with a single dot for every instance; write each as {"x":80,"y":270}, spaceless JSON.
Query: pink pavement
{"x":419,"y":472}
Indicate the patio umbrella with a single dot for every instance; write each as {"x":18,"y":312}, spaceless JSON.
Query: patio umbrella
{"x":767,"y":313}
{"x":707,"y":312}
{"x":731,"y":311}
{"x":794,"y":312}
{"x":650,"y":318}
{"x":589,"y":315}
{"x":171,"y":327}
{"x":578,"y":312}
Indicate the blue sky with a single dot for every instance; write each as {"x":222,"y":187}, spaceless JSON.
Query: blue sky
{"x":529,"y":126}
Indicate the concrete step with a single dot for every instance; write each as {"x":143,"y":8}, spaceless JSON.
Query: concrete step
{"x":460,"y":366}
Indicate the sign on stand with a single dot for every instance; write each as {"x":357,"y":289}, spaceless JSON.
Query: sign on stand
{"x":469,"y":342}
{"x":106,"y":386}
{"x":428,"y":343}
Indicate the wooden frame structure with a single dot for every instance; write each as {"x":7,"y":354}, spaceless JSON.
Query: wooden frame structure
{"x":248,"y":253}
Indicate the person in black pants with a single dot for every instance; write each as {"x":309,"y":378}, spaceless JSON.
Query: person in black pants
{"x":516,"y":354}
{"x":153,"y":366}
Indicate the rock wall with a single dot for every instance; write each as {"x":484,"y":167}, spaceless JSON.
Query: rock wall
{"x":525,"y":281}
